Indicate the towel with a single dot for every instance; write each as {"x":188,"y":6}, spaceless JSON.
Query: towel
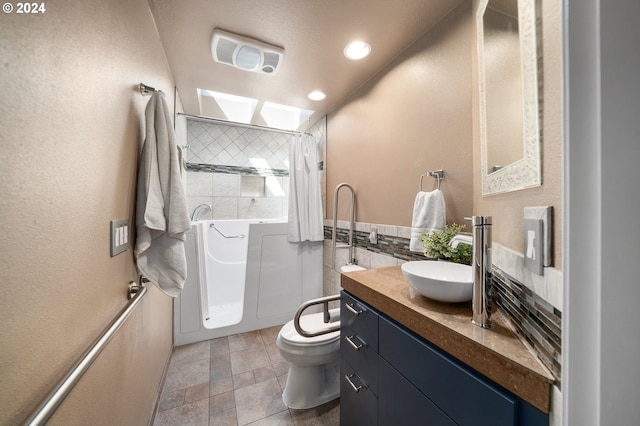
{"x":161,"y":205}
{"x":305,"y":199}
{"x":429,"y":214}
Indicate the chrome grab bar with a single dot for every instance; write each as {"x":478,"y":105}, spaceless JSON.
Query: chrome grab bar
{"x":352,"y":225}
{"x":325,"y":310}
{"x":213,"y":226}
{"x":50,"y":404}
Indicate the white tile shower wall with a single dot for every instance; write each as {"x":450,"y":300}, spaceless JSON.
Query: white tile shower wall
{"x":236,"y":146}
{"x":222,"y":145}
{"x":223,"y":193}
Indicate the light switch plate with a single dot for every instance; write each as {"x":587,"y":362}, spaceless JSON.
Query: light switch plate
{"x":533,"y":245}
{"x":544,"y":213}
{"x":119,"y":236}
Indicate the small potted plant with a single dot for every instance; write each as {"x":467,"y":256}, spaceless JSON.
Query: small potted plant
{"x":437,"y":245}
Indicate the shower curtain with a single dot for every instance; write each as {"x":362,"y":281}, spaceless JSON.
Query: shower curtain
{"x":305,"y":199}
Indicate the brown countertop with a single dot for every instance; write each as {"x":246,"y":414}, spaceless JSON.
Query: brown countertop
{"x":496,"y":353}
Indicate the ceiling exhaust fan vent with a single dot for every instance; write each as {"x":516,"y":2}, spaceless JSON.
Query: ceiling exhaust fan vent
{"x":245,"y":53}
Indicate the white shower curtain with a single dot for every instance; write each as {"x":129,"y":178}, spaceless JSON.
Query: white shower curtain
{"x":305,"y":199}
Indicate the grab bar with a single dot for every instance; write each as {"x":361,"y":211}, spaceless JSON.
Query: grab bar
{"x":352,"y":222}
{"x":325,"y":310}
{"x":53,"y":400}
{"x":213,"y":226}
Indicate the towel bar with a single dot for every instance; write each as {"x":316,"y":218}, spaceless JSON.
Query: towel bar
{"x":148,"y":90}
{"x":438,"y":174}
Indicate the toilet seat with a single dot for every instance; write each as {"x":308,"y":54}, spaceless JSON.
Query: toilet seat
{"x":309,"y":322}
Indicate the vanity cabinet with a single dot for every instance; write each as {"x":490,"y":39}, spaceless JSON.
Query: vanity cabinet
{"x":358,"y":362}
{"x":397,"y":377}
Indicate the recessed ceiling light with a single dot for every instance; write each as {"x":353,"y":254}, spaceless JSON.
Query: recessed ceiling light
{"x":357,"y":50}
{"x":316,"y":95}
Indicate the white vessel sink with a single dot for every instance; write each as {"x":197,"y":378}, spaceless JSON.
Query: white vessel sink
{"x":442,"y":281}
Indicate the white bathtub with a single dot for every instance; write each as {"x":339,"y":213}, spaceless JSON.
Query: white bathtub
{"x":249,"y":280}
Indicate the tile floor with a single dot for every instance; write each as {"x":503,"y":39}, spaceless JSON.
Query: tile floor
{"x":235,"y":380}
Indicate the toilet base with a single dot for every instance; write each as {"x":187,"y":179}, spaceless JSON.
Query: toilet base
{"x":310,"y":386}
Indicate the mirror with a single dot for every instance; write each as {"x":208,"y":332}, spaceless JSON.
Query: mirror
{"x":508,"y":82}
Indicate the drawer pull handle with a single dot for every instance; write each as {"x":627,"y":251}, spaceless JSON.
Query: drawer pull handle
{"x":352,"y":309}
{"x":356,"y":389}
{"x":352,"y":343}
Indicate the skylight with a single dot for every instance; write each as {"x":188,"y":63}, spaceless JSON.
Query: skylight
{"x":283,"y":116}
{"x":236,"y":108}
{"x":240,"y":109}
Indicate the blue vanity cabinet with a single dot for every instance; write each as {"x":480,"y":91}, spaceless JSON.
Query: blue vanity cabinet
{"x":358,"y":363}
{"x":418,"y":383}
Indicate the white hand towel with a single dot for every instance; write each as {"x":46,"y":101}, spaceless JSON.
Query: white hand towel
{"x":429,"y":214}
{"x":161,"y":205}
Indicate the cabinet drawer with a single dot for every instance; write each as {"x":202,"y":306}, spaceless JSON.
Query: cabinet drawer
{"x":358,"y":405}
{"x":468,"y":398}
{"x":360,"y":318}
{"x":400,"y":403}
{"x":357,"y":351}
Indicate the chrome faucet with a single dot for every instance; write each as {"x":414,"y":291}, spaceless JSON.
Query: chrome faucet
{"x":481,"y":264}
{"x":196,"y":212}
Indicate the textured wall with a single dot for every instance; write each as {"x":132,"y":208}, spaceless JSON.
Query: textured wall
{"x":71,"y":130}
{"x":412,"y":117}
{"x":508,"y":209}
{"x":421,"y":113}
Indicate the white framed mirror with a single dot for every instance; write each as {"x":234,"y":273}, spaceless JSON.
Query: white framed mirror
{"x":508,"y":83}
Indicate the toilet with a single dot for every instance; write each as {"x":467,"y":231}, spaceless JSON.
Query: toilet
{"x":314,"y":368}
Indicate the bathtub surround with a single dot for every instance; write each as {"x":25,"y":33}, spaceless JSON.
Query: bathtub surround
{"x":219,"y":156}
{"x":235,"y":285}
{"x":161,"y":210}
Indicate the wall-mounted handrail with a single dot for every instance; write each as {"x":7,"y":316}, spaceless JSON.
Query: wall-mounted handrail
{"x":352,"y":224}
{"x":53,"y":400}
{"x":326,"y":316}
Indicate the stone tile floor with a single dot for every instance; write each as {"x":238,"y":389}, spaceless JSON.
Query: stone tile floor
{"x":235,"y":380}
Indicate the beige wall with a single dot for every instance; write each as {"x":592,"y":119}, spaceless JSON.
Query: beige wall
{"x":508,"y":209}
{"x":421,"y":113}
{"x":71,"y":130}
{"x":414,"y":116}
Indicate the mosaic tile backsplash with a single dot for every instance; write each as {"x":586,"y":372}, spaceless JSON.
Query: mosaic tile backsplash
{"x":537,"y":321}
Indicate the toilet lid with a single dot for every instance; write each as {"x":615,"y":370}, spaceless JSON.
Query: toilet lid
{"x":310,"y":323}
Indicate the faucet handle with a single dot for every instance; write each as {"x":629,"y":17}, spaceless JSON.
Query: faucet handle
{"x":480,"y":220}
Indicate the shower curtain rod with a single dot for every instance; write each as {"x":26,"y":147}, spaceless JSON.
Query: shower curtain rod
{"x":247,"y":126}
